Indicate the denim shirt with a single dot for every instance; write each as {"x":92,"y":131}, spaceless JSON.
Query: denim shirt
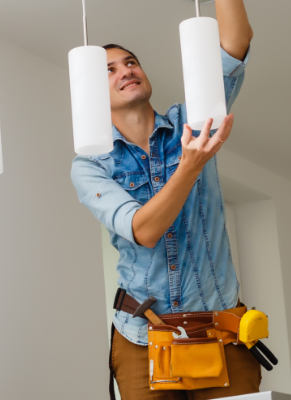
{"x":190,"y":268}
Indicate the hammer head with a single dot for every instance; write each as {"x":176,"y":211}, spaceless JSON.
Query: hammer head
{"x":144,"y":306}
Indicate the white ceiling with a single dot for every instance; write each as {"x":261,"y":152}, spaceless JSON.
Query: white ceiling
{"x":261,"y":134}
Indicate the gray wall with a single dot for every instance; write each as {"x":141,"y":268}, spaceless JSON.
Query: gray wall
{"x":52,"y":344}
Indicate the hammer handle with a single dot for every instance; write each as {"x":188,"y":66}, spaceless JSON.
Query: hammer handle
{"x":153,"y":318}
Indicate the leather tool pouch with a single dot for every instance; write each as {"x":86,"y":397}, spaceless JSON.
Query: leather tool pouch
{"x":196,"y":362}
{"x":196,"y":358}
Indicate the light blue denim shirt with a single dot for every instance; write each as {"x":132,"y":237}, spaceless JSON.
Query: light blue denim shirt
{"x":190,"y":268}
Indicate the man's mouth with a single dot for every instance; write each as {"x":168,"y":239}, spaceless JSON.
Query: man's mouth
{"x":130,"y":84}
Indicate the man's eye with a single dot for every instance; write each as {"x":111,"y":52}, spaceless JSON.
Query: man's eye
{"x":109,"y":70}
{"x":131,"y":62}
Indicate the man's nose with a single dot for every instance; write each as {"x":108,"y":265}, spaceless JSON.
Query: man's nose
{"x":125,"y":72}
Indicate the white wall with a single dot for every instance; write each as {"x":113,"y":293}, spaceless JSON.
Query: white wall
{"x":53,"y":341}
{"x":262,"y":216}
{"x":262,"y":282}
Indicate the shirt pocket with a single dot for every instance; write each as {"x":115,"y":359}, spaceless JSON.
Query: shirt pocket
{"x":136,"y":184}
{"x":172,"y":161}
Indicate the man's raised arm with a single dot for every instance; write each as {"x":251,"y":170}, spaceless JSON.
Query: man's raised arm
{"x":234,"y":28}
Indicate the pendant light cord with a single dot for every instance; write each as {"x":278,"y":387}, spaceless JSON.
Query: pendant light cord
{"x":85,"y":24}
{"x":198,"y":14}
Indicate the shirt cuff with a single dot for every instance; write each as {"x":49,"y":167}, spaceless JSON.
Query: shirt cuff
{"x":232,"y":66}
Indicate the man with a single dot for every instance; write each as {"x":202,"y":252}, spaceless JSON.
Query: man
{"x":158,"y":194}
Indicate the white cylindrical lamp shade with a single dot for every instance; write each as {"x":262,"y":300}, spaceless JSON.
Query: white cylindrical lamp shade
{"x":202,"y":70}
{"x":90,"y":97}
{"x":1,"y":154}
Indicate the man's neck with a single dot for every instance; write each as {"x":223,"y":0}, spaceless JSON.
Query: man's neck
{"x":136,"y":124}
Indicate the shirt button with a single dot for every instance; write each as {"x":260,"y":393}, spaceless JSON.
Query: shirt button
{"x":173,"y":267}
{"x":131,"y":184}
{"x":143,"y":157}
{"x":169,"y":235}
{"x":157,"y":179}
{"x":180,"y":158}
{"x":98,"y":194}
{"x":176,"y":303}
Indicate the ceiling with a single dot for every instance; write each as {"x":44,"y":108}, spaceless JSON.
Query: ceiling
{"x":261,"y":133}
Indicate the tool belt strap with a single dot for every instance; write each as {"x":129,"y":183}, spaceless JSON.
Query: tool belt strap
{"x":227,"y":320}
{"x":214,"y":324}
{"x":125,"y":303}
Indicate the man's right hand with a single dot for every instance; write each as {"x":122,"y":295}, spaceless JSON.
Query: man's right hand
{"x":197,"y":151}
{"x":152,"y":220}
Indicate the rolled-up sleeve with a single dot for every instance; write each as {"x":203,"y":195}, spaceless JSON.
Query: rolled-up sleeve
{"x":105,"y":198}
{"x":233,"y":75}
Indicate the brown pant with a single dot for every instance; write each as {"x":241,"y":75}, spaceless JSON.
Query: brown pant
{"x":130,"y":366}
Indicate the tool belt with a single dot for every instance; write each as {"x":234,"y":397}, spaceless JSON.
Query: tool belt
{"x":196,"y":362}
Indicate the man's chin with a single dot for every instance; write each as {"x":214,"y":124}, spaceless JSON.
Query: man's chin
{"x":134,"y":95}
{"x":134,"y":101}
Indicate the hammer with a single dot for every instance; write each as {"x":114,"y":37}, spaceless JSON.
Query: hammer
{"x":144,"y":308}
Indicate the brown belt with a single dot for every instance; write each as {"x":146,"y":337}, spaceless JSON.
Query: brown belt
{"x":227,"y":320}
{"x":125,"y":303}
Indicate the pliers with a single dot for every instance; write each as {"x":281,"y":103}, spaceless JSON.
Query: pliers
{"x":257,"y":344}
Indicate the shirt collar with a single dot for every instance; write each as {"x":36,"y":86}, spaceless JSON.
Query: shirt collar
{"x":161,"y":121}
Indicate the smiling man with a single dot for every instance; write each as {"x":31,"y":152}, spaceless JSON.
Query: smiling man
{"x":158,"y":194}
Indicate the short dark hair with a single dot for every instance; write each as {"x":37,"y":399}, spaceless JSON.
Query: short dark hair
{"x":116,"y":46}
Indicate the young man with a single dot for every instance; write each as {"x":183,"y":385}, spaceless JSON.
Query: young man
{"x":158,"y":194}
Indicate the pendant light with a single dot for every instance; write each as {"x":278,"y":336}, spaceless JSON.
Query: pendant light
{"x":1,"y":155}
{"x":90,"y":98}
{"x":202,"y":70}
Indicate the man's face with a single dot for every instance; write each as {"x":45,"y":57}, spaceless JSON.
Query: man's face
{"x":128,"y":83}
